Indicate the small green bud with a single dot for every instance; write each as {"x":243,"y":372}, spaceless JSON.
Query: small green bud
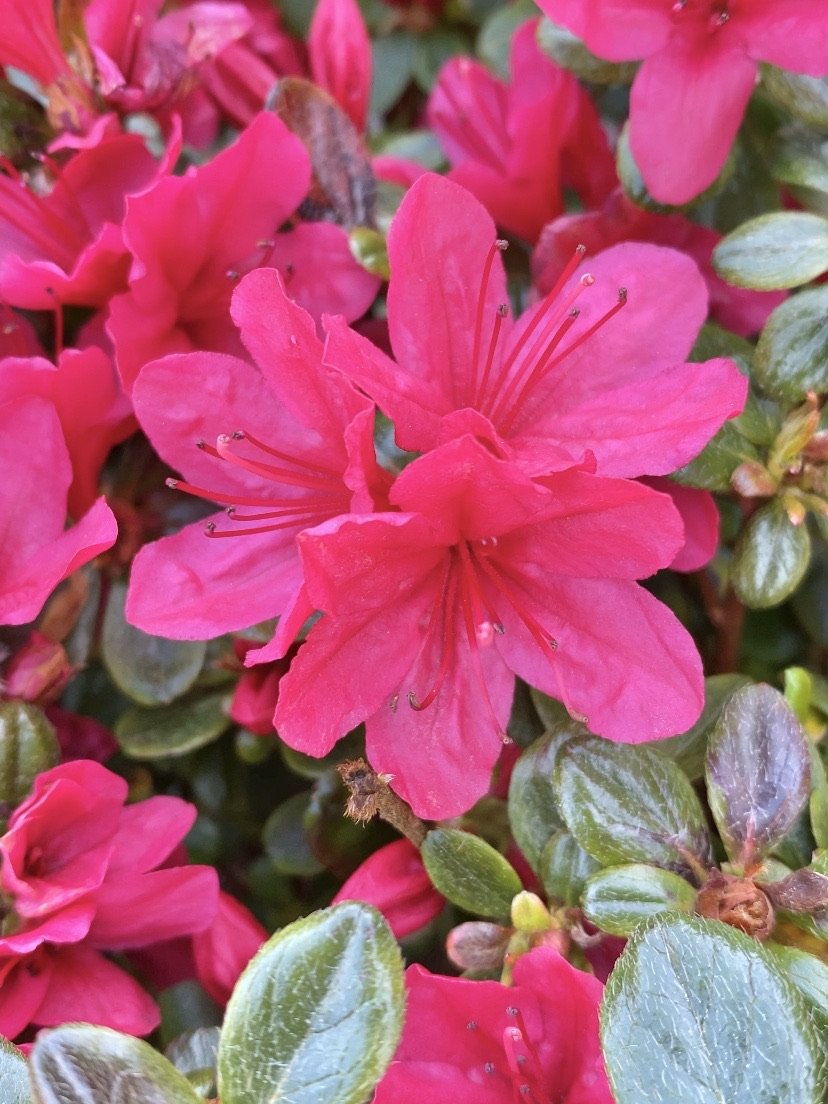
{"x":529,"y":913}
{"x":28,"y":746}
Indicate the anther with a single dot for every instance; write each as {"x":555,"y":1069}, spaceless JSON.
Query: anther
{"x":392,"y":705}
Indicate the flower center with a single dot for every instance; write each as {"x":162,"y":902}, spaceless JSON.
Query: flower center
{"x":522,"y":1070}
{"x":311,"y":491}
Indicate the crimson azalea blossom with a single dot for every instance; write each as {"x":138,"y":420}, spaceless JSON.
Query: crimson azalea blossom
{"x":79,"y":874}
{"x":394,"y":880}
{"x":64,"y":244}
{"x":94,"y":412}
{"x":480,"y":1042}
{"x":700,"y":68}
{"x":192,"y":236}
{"x":515,"y":146}
{"x":294,"y":446}
{"x":486,"y":574}
{"x":611,"y":379}
{"x":339,"y":51}
{"x":738,"y":309}
{"x":36,"y":552}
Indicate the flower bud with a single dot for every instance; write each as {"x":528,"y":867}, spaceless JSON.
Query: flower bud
{"x":28,"y":746}
{"x":478,"y":945}
{"x":529,"y":913}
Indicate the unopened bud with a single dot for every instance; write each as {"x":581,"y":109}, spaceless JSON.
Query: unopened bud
{"x":529,"y":913}
{"x":478,"y":945}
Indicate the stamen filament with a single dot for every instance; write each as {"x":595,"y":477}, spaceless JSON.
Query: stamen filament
{"x":500,"y":314}
{"x":267,"y":471}
{"x":538,"y":372}
{"x":587,"y":334}
{"x":322,"y":469}
{"x":500,"y":245}
{"x":297,"y":521}
{"x":445,"y":605}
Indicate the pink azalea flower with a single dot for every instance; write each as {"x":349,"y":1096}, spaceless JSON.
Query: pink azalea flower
{"x":701,"y":523}
{"x":64,"y":244}
{"x":38,"y":671}
{"x":607,"y":375}
{"x":294,"y":446}
{"x":515,"y":146}
{"x":224,"y":948}
{"x":339,"y":51}
{"x":257,"y":691}
{"x":394,"y":880}
{"x":619,"y":220}
{"x":480,"y":1042}
{"x":700,"y":69}
{"x":80,"y":875}
{"x":94,"y":412}
{"x":192,"y":236}
{"x":485,"y":574}
{"x":36,"y":552}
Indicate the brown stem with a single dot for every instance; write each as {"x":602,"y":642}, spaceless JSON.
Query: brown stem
{"x":727,"y":616}
{"x":370,"y":796}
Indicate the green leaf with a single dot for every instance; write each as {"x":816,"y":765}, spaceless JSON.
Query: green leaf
{"x":432,"y":50}
{"x":805,"y":97}
{"x":195,"y":1054}
{"x":689,"y":749}
{"x":392,"y":60}
{"x":626,"y":804}
{"x":285,"y":839}
{"x":533,"y":812}
{"x":697,"y":1012}
{"x":619,"y":898}
{"x":14,"y":1074}
{"x":802,"y":161}
{"x":792,"y":354}
{"x":781,"y":250}
{"x":563,"y":869}
{"x":771,"y":557}
{"x":495,"y":38}
{"x":81,"y":1064}
{"x":470,"y":873}
{"x":173,"y":730}
{"x":798,"y":691}
{"x":570,"y":53}
{"x":149,"y":669}
{"x":758,"y":772}
{"x":806,"y":972}
{"x":368,"y":248}
{"x":28,"y":745}
{"x":317,"y":1014}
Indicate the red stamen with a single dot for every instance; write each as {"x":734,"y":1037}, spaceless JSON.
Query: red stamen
{"x":538,"y":372}
{"x":587,"y":334}
{"x":472,"y":603}
{"x":539,"y":348}
{"x":525,"y":1069}
{"x":233,"y":500}
{"x":307,"y":506}
{"x":497,"y":246}
{"x":500,"y":314}
{"x":298,"y":520}
{"x":444,"y":605}
{"x":322,"y":469}
{"x":267,"y":471}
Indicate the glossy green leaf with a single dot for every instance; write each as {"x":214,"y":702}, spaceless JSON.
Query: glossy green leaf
{"x":285,"y":839}
{"x":317,"y":1014}
{"x":495,"y":38}
{"x":570,"y":53}
{"x":195,"y":1054}
{"x":689,"y":749}
{"x":806,"y":972}
{"x":797,"y":689}
{"x":14,"y":1075}
{"x":81,"y":1064}
{"x":792,"y":354}
{"x":149,"y":669}
{"x":781,"y":250}
{"x":470,"y":873}
{"x":771,"y":557}
{"x":173,"y":730}
{"x":697,"y":1012}
{"x":431,"y":51}
{"x":758,"y":772}
{"x":564,"y":867}
{"x":28,"y":745}
{"x":393,"y":58}
{"x":805,"y":97}
{"x":625,"y":804}
{"x":801,"y":160}
{"x":533,"y":812}
{"x":619,"y":898}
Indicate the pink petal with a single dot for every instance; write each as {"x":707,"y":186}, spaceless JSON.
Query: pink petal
{"x":701,"y":523}
{"x":619,"y":30}
{"x":140,"y":909}
{"x":394,"y":880}
{"x":792,"y":34}
{"x":623,"y":659}
{"x":224,"y":948}
{"x":339,"y":51}
{"x":686,"y":104}
{"x":147,"y":834}
{"x":23,"y":985}
{"x":84,"y":986}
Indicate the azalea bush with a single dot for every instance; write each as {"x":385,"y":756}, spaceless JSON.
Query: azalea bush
{"x":413,"y":585}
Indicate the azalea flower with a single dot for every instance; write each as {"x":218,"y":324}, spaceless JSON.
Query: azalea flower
{"x":80,"y":875}
{"x":293,"y":447}
{"x":700,"y":69}
{"x":339,"y":51}
{"x":36,"y":551}
{"x":485,"y":574}
{"x":589,"y":368}
{"x":516,"y":146}
{"x":480,"y":1042}
{"x":94,"y":412}
{"x":738,"y":309}
{"x":394,"y":880}
{"x":60,"y":233}
{"x":193,"y":236}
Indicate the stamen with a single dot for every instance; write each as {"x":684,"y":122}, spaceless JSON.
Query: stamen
{"x":296,"y":520}
{"x":540,"y":347}
{"x":218,"y":496}
{"x":501,"y":246}
{"x":472,"y":601}
{"x":267,"y":471}
{"x":525,"y":1070}
{"x":446,"y":606}
{"x":500,"y":314}
{"x":322,"y":469}
{"x":538,"y":372}
{"x":587,"y":334}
